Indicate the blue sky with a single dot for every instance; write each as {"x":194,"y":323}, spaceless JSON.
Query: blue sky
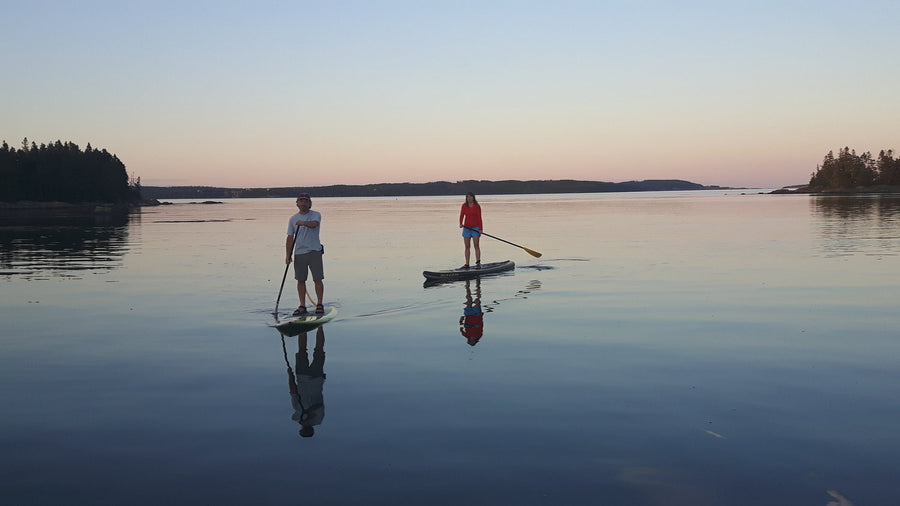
{"x":316,"y":93}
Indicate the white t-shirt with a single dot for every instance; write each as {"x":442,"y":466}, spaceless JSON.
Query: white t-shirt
{"x":307,"y":238}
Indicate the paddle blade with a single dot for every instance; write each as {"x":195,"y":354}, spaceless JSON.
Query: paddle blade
{"x":532,"y":252}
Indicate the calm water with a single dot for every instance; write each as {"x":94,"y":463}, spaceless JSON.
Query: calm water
{"x":667,"y":349}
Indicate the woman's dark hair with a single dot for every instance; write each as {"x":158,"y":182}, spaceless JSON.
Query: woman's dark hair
{"x":474,"y":200}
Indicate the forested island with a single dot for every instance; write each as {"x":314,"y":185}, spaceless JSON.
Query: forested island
{"x":851,"y":173}
{"x":63,"y":172}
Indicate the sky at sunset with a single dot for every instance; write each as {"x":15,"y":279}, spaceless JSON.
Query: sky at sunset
{"x":301,"y":93}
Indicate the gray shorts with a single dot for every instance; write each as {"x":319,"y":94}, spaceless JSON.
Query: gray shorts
{"x":306,"y":263}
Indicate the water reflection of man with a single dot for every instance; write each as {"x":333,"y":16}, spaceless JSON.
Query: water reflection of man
{"x":307,"y":395}
{"x":471,"y":323}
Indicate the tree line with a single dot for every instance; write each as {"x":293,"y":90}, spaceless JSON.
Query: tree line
{"x":63,"y":172}
{"x":508,"y":187}
{"x":849,"y":171}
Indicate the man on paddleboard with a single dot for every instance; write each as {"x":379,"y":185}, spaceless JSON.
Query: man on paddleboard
{"x":303,"y":247}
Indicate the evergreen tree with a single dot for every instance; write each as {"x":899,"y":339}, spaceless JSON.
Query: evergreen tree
{"x":888,"y":168}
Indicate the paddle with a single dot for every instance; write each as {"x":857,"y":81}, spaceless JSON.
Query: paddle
{"x":286,"y":266}
{"x":530,"y":251}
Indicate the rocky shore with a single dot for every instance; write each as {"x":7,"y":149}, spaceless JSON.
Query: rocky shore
{"x":27,"y":212}
{"x":863,"y":190}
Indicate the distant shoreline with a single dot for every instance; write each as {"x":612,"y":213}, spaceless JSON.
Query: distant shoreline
{"x":438,"y":188}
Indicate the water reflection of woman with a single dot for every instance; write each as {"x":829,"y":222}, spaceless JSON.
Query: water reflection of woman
{"x":471,"y":323}
{"x":307,"y":387}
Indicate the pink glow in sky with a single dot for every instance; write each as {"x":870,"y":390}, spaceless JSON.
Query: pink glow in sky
{"x":302,"y":93}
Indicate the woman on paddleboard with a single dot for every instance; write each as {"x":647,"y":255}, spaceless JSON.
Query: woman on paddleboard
{"x":470,"y":223}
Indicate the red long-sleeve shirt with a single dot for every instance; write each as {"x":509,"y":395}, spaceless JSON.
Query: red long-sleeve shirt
{"x":470,"y":216}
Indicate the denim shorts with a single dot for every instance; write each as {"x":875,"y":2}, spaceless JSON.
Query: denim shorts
{"x":471,"y":232}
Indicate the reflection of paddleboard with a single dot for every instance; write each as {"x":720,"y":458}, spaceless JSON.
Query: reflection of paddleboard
{"x":308,"y":321}
{"x":471,"y":272}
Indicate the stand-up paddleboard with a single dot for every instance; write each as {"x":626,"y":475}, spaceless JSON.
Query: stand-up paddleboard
{"x":309,"y":321}
{"x":471,"y":272}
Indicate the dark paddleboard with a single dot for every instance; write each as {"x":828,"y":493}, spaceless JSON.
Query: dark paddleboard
{"x":306,"y":322}
{"x":472,"y":272}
